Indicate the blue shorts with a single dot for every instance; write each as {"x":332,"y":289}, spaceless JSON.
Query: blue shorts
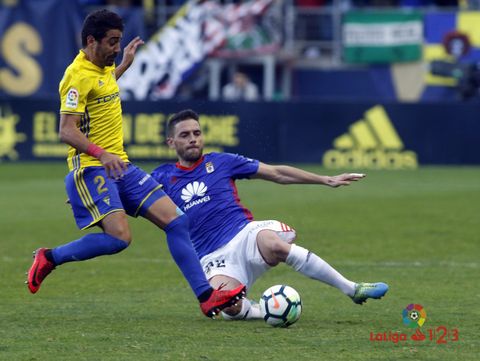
{"x":93,"y":195}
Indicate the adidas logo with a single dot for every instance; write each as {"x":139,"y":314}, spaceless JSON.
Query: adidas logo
{"x":193,"y":189}
{"x":371,"y":143}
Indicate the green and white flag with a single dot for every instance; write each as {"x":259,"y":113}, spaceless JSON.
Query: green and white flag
{"x":382,"y":37}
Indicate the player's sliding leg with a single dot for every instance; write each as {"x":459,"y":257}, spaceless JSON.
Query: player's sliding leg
{"x":309,"y":264}
{"x":245,"y":310}
{"x":165,"y":214}
{"x":115,"y":239}
{"x":274,"y":250}
{"x":313,"y":266}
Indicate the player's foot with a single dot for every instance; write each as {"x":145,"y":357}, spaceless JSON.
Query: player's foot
{"x":255,"y":311}
{"x":40,"y":269}
{"x":364,"y":291}
{"x":220,"y":299}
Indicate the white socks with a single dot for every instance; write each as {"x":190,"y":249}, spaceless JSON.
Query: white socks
{"x":309,"y":264}
{"x":249,"y":311}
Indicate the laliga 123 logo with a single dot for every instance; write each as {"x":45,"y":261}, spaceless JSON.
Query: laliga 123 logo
{"x":414,"y":316}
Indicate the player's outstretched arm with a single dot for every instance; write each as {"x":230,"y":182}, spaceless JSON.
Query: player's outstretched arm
{"x":128,"y":56}
{"x":71,"y":135}
{"x":284,"y":174}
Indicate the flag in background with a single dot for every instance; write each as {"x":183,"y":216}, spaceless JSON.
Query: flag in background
{"x":382,"y":37}
{"x":199,"y":29}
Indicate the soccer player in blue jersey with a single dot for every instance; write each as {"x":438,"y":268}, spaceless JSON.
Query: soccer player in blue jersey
{"x":103,"y":186}
{"x":232,"y":247}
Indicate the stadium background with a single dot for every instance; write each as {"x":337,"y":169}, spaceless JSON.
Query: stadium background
{"x":345,"y":85}
{"x":309,"y":71}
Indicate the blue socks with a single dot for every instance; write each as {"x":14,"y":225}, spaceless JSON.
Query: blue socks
{"x":89,"y":246}
{"x":179,"y":244}
{"x":182,"y":251}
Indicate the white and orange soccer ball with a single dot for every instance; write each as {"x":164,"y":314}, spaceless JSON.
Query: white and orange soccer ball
{"x":281,"y":306}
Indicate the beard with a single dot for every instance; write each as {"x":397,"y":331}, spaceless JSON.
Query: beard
{"x":109,"y":61}
{"x":191,"y":155}
{"x":107,"y":58}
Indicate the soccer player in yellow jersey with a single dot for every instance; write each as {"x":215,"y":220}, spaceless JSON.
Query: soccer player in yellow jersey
{"x":103,"y":186}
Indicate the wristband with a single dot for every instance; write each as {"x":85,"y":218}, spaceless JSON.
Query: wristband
{"x":94,"y":150}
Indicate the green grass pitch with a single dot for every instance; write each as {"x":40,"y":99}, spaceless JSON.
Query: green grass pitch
{"x":416,"y":230}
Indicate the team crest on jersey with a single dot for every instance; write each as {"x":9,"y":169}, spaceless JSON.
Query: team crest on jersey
{"x":71,"y":101}
{"x":209,"y":167}
{"x":100,"y":82}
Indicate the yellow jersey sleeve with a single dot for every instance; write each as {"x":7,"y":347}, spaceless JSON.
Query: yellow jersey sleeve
{"x":74,"y":91}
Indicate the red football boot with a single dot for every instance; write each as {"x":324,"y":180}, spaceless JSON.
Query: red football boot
{"x":40,"y":269}
{"x":220,"y":299}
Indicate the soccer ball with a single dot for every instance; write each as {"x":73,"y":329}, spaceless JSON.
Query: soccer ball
{"x":281,"y":306}
{"x":414,"y":315}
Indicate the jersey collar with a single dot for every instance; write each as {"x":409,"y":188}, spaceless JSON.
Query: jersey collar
{"x":194,"y":165}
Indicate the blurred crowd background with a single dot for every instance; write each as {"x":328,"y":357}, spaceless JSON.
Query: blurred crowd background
{"x":266,"y":50}
{"x":359,"y":84}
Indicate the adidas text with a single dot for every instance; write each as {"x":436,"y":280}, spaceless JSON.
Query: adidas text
{"x":376,"y":159}
{"x":370,"y":143}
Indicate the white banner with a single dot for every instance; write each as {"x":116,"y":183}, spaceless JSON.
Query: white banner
{"x":409,"y":32}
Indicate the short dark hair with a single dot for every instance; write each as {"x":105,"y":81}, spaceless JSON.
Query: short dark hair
{"x":98,"y":22}
{"x":180,"y":117}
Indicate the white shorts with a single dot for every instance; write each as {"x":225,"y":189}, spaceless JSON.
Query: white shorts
{"x":240,"y":258}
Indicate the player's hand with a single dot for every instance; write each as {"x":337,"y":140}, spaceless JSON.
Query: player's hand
{"x":344,"y":179}
{"x":130,"y":50}
{"x":114,"y":165}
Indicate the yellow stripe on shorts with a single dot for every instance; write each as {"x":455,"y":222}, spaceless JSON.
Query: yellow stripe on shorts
{"x":85,"y":196}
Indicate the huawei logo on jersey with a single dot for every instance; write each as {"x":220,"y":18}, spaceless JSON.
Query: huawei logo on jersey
{"x":195,"y":189}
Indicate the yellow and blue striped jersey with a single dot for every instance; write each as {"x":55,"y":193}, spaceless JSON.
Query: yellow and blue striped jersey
{"x":93,"y":93}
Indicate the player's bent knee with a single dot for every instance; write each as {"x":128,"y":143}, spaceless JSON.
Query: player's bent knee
{"x":119,"y":232}
{"x":273,"y":250}
{"x":125,"y":236}
{"x":279,"y":251}
{"x":116,"y":225}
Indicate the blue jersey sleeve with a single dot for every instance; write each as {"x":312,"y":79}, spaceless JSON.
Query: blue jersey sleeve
{"x":240,"y":166}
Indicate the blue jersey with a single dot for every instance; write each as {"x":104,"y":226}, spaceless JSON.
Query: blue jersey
{"x":206,"y":192}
